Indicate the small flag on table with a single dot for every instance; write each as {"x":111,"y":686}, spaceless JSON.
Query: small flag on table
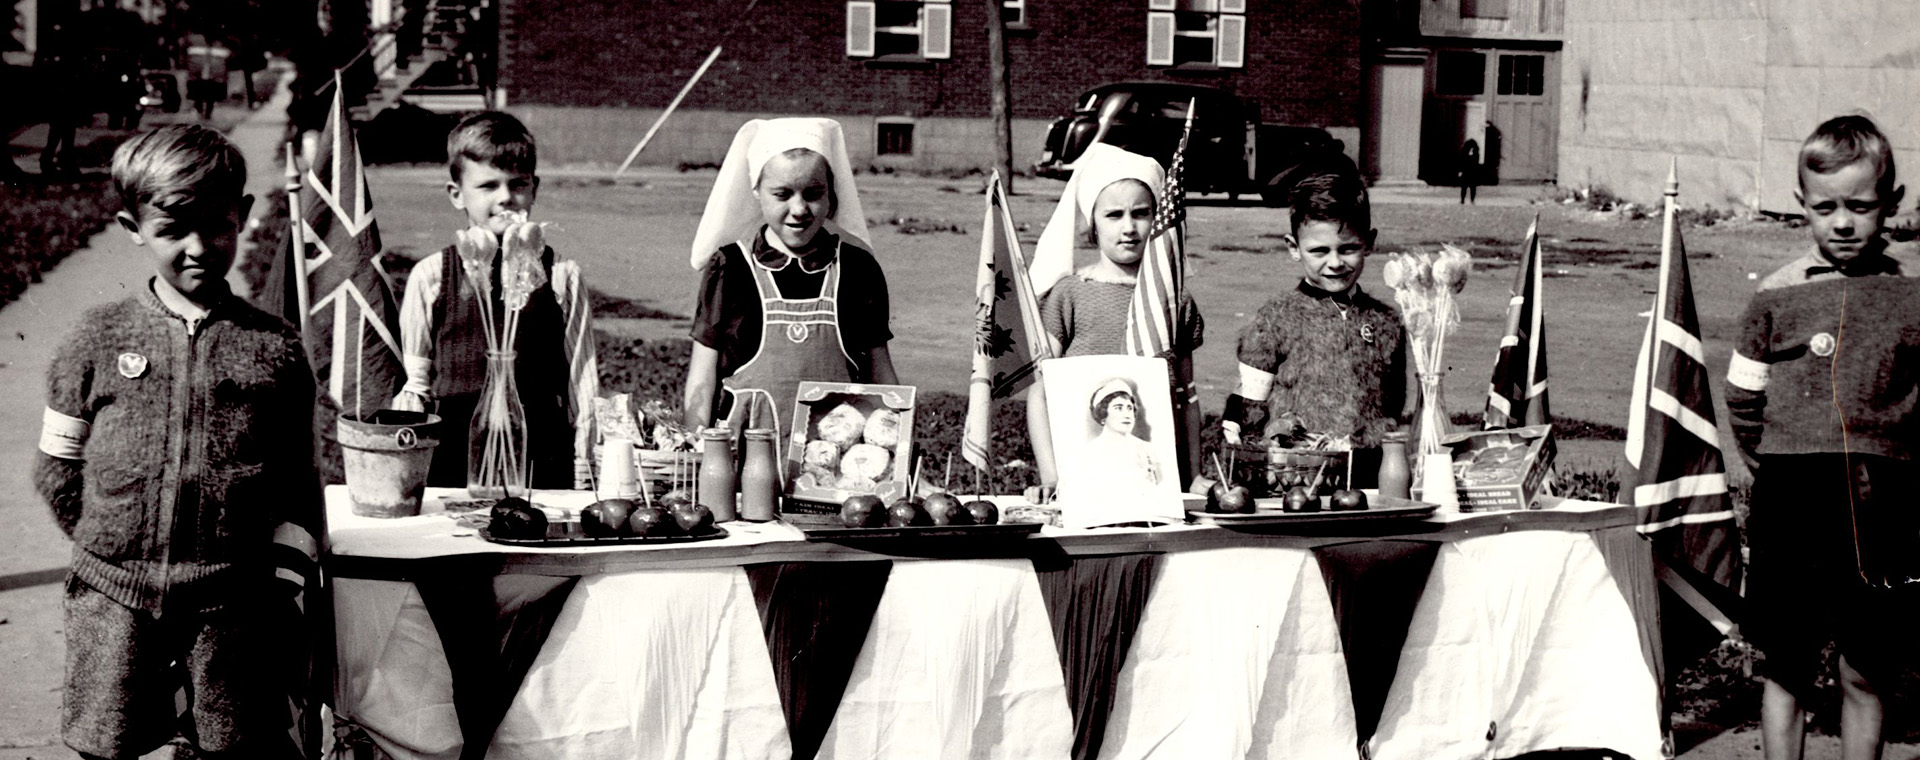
{"x":1008,"y":341}
{"x":346,"y":310}
{"x":1517,"y":396}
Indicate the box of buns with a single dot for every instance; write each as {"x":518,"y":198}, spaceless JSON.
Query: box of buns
{"x":1497,"y":470}
{"x":848,"y":438}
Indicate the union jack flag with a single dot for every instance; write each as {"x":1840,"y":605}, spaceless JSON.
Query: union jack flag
{"x":1675,"y":466}
{"x":1154,"y":315}
{"x":1517,"y":396}
{"x":347,"y":313}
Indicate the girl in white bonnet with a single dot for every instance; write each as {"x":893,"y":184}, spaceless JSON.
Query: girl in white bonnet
{"x":1109,"y":202}
{"x":790,"y":290}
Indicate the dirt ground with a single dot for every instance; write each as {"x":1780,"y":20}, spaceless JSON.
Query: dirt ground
{"x":632,"y":236}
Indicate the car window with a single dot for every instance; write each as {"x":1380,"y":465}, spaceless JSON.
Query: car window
{"x":1088,"y":102}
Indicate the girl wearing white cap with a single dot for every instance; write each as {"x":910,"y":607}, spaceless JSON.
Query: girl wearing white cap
{"x":1109,"y":202}
{"x":790,"y":289}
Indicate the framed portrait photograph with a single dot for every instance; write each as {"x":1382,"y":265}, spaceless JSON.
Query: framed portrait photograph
{"x":1113,"y":440}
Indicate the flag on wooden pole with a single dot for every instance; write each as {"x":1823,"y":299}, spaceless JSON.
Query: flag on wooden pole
{"x":350,"y":319}
{"x":1517,"y":395}
{"x":1008,"y":340}
{"x":1154,"y":315}
{"x":1675,"y":466}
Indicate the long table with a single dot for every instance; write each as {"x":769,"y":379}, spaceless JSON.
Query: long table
{"x":1456,"y":636}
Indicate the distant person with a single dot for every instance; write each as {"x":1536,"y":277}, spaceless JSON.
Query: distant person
{"x":207,"y":75}
{"x":1468,"y":172}
{"x":60,"y":69}
{"x":1823,"y":389}
{"x":790,"y":290}
{"x":1108,"y":204}
{"x":1324,"y":357}
{"x":176,"y":454}
{"x":494,"y":166}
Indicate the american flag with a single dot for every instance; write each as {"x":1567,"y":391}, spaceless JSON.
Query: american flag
{"x":1675,"y":466}
{"x":347,"y":313}
{"x":1517,"y":396}
{"x":1154,"y":315}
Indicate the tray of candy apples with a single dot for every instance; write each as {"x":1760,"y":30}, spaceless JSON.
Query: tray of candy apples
{"x":938,"y":514}
{"x":670,"y":519}
{"x":1322,"y":497}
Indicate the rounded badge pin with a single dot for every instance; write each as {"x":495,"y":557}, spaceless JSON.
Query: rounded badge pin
{"x":1822,"y":345}
{"x":132,"y":365}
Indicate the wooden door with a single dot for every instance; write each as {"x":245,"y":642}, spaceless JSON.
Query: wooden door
{"x":1523,"y":105}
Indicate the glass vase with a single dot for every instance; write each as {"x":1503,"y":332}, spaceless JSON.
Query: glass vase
{"x":1433,"y":462}
{"x":1432,"y":424}
{"x":497,"y":438}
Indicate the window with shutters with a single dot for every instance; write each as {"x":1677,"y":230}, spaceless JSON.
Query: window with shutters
{"x":1014,"y":13}
{"x":906,"y":30}
{"x":1197,"y":33}
{"x":1522,"y":75}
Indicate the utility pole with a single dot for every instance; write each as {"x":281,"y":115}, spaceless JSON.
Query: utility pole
{"x":1002,"y":93}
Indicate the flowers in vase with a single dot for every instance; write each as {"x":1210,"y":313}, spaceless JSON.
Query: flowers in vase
{"x":501,"y":459}
{"x":1424,"y":286}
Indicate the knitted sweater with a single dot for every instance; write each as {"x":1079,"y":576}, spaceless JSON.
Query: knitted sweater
{"x":1829,"y":361}
{"x":1089,"y":317}
{"x":174,"y":451}
{"x":1304,"y":364}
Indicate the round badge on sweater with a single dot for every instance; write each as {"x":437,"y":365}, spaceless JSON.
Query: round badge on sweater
{"x":1822,"y":345}
{"x":132,"y":365}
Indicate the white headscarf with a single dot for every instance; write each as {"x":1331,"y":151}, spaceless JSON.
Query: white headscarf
{"x":733,"y":213}
{"x":1101,"y":165}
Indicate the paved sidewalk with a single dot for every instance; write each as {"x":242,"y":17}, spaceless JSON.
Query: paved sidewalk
{"x":33,"y":552}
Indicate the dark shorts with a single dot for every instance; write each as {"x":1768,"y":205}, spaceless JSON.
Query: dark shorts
{"x":125,"y":668}
{"x":1833,"y":542}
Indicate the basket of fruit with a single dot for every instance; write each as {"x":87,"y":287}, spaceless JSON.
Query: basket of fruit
{"x":1269,"y":470}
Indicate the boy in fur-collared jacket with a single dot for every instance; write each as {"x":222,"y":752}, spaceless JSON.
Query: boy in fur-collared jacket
{"x":176,"y":453}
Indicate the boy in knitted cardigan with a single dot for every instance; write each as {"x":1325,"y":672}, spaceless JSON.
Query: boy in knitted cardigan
{"x":1324,"y":356}
{"x":1824,"y":391}
{"x":176,"y":453}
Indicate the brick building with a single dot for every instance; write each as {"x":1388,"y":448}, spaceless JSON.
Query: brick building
{"x":908,"y":78}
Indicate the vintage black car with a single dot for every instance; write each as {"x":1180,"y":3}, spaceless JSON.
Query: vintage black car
{"x":1230,"y":150}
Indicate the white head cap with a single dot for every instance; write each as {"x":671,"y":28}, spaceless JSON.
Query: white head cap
{"x":1101,"y":165}
{"x":733,"y":213}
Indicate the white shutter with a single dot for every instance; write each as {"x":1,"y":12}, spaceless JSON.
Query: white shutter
{"x":1230,"y":44}
{"x":1233,"y":6}
{"x":1159,"y":39}
{"x":1162,"y":5}
{"x":936,"y":30}
{"x":860,"y":28}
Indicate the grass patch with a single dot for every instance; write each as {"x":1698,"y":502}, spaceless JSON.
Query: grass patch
{"x":43,"y":223}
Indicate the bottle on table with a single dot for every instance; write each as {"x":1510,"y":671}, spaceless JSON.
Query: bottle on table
{"x":1395,"y":479}
{"x":717,"y":477}
{"x":759,"y":478}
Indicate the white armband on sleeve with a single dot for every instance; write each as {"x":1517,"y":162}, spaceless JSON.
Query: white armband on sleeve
{"x":63,"y":437}
{"x":1747,"y":374}
{"x":1255,"y":384}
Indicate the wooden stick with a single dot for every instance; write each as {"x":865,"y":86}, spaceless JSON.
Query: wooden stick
{"x":946,"y":481}
{"x":1317,"y":475}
